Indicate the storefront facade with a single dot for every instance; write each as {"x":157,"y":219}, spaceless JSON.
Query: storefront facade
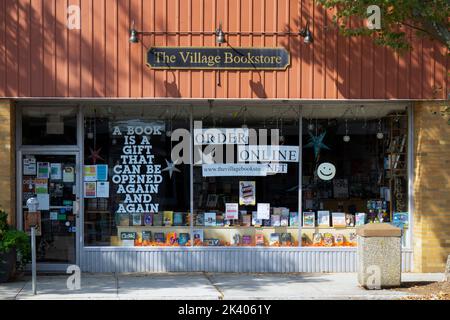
{"x":172,"y":152}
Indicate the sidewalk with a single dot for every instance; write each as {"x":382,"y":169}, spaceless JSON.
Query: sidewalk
{"x":203,"y":286}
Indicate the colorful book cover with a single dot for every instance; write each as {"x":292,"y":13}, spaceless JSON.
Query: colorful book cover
{"x":308,"y":219}
{"x":360,"y":219}
{"x":323,"y":219}
{"x":293,"y":219}
{"x":247,"y":240}
{"x":400,"y":219}
{"x":277,"y":211}
{"x":317,"y":238}
{"x":328,"y":240}
{"x":158,"y":219}
{"x":284,"y":221}
{"x":200,"y":219}
{"x":286,"y":239}
{"x":247,"y":193}
{"x":168,"y":218}
{"x":146,"y":235}
{"x":219,"y":220}
{"x":183,"y":239}
{"x":339,"y":239}
{"x":352,"y":238}
{"x":137,"y":219}
{"x":198,"y":236}
{"x":350,"y":220}
{"x":266,"y":222}
{"x":210,"y":219}
{"x":338,"y":219}
{"x":148,"y":219}
{"x":124,"y":219}
{"x":246,"y":220}
{"x":274,"y":239}
{"x":159,"y":237}
{"x":259,"y":239}
{"x":236,"y":239}
{"x":275,"y":220}
{"x":171,"y":238}
{"x":178,"y":219}
{"x":255,"y":221}
{"x":231,"y":211}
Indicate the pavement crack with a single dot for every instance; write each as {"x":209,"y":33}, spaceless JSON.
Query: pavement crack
{"x":16,"y":297}
{"x":221,"y":294}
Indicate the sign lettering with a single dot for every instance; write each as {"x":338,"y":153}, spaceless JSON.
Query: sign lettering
{"x":218,"y":58}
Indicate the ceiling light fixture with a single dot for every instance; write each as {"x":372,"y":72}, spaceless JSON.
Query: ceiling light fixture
{"x":133,"y":34}
{"x":306,"y":34}
{"x":220,"y":35}
{"x":346,"y":137}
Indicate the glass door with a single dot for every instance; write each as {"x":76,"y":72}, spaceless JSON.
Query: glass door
{"x":52,"y":180}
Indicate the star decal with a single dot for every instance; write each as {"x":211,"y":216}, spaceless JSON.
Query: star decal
{"x":171,"y":167}
{"x":316,"y":142}
{"x":95,"y":155}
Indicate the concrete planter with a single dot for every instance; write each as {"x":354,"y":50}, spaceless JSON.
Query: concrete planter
{"x":379,"y":256}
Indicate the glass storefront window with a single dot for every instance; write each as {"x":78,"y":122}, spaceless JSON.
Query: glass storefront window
{"x":134,"y":194}
{"x":245,"y":174}
{"x":49,"y":125}
{"x":249,"y":195}
{"x":354,"y":172}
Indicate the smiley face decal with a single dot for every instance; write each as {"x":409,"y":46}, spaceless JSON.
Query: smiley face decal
{"x":326,"y":171}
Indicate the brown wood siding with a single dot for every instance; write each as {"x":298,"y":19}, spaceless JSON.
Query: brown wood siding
{"x":40,"y":57}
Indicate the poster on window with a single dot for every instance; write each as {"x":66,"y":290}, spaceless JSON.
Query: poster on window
{"x":43,"y":201}
{"x":55,"y":171}
{"x":247,"y":193}
{"x":90,"y":173}
{"x":102,"y":189}
{"x":102,"y":172}
{"x":41,"y":186}
{"x":29,"y":166}
{"x":69,"y":174}
{"x":90,"y":189}
{"x":43,"y":170}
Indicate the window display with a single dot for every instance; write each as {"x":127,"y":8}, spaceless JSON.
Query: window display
{"x":354,"y":163}
{"x":249,"y":196}
{"x":248,"y":166}
{"x":134,"y":194}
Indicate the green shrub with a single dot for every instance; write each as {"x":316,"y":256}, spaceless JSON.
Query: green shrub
{"x":11,"y":238}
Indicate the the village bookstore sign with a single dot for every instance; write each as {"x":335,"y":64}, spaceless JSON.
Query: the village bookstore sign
{"x":218,"y":58}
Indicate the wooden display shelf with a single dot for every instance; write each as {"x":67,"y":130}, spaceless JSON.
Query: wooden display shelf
{"x":153,"y":227}
{"x":243,"y":227}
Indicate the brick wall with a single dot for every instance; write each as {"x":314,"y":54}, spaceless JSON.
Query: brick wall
{"x":431,"y":233}
{"x":7,"y":159}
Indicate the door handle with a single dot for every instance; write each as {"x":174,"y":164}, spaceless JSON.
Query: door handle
{"x":76,"y":208}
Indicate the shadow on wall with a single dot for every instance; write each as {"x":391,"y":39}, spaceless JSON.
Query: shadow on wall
{"x":55,"y":61}
{"x":432,"y":187}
